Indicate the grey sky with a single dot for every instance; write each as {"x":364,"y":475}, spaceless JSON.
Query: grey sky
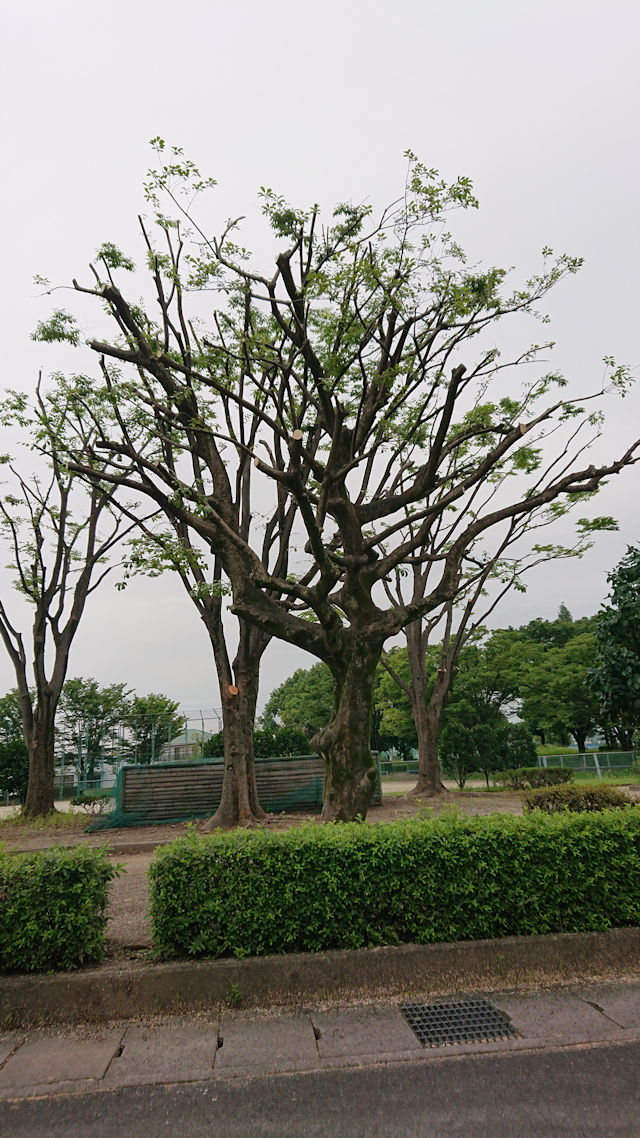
{"x":537,"y":102}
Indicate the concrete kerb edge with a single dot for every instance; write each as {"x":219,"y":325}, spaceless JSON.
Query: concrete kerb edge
{"x":113,"y":992}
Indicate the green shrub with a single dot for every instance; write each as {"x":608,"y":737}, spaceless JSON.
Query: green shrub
{"x":548,"y":776}
{"x":534,"y":776}
{"x":575,"y":798}
{"x":52,"y":908}
{"x":347,"y":886}
{"x":515,"y":780}
{"x":93,"y":801}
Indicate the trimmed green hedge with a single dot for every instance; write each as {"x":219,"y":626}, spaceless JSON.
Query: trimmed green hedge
{"x":53,"y":908}
{"x":576,"y":798}
{"x":422,"y":881}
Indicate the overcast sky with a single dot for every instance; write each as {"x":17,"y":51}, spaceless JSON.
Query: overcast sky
{"x":537,"y":102}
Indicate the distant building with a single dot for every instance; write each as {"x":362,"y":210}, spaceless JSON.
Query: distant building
{"x":186,"y":745}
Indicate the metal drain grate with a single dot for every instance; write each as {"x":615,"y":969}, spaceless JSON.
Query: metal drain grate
{"x":462,"y":1021}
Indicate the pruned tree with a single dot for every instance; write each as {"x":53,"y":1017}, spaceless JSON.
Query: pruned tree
{"x":155,"y":550}
{"x":492,"y":574}
{"x":59,"y":534}
{"x":364,"y":357}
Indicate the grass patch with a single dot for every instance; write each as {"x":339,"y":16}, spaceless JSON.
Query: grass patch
{"x":57,"y":820}
{"x":610,"y":779}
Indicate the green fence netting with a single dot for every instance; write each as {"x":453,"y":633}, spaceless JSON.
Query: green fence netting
{"x":154,"y":793}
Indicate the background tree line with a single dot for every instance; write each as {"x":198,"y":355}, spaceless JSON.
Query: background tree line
{"x":94,"y":726}
{"x":563,"y":679}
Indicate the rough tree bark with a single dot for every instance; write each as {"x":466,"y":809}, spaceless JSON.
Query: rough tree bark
{"x":427,"y":712}
{"x":344,"y":744}
{"x":238,"y":682}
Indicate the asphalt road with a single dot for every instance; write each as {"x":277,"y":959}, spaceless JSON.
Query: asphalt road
{"x":583,"y":1091}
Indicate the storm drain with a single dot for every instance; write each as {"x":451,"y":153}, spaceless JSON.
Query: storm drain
{"x":460,"y":1021}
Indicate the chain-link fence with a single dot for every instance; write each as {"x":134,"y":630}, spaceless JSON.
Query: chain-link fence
{"x":596,"y":763}
{"x":88,"y":756}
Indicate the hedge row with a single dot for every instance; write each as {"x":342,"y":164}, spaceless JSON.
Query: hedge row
{"x":53,"y":908}
{"x":576,"y":798}
{"x":534,"y":777}
{"x":348,"y":886}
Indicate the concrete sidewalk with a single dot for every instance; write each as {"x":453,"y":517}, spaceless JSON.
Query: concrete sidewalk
{"x":241,"y":1044}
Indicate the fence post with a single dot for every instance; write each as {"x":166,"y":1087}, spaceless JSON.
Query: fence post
{"x":595,"y":759}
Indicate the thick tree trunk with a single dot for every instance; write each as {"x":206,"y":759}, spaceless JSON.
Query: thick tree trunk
{"x":428,"y":728}
{"x":40,"y":744}
{"x":580,"y":738}
{"x":239,"y":804}
{"x":344,"y":744}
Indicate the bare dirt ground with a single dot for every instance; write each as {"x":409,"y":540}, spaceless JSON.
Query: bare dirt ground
{"x":394,"y":806}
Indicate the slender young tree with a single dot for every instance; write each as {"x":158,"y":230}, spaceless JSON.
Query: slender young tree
{"x":59,"y":534}
{"x":365,"y":357}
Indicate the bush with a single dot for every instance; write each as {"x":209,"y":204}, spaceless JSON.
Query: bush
{"x":534,"y":776}
{"x":575,"y":798}
{"x":93,"y":801}
{"x":53,"y":906}
{"x":453,"y":878}
{"x":548,"y":776}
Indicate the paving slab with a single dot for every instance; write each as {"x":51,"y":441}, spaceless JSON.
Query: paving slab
{"x":556,"y":1017}
{"x":172,"y":1052}
{"x":620,"y":1002}
{"x":60,"y":1059}
{"x":363,"y":1031}
{"x":285,"y":1043}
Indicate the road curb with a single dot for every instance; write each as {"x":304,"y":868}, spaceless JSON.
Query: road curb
{"x":135,"y":989}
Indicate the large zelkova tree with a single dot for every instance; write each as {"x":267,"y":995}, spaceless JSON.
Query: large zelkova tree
{"x":363,"y":353}
{"x":58,"y":534}
{"x":615,"y":677}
